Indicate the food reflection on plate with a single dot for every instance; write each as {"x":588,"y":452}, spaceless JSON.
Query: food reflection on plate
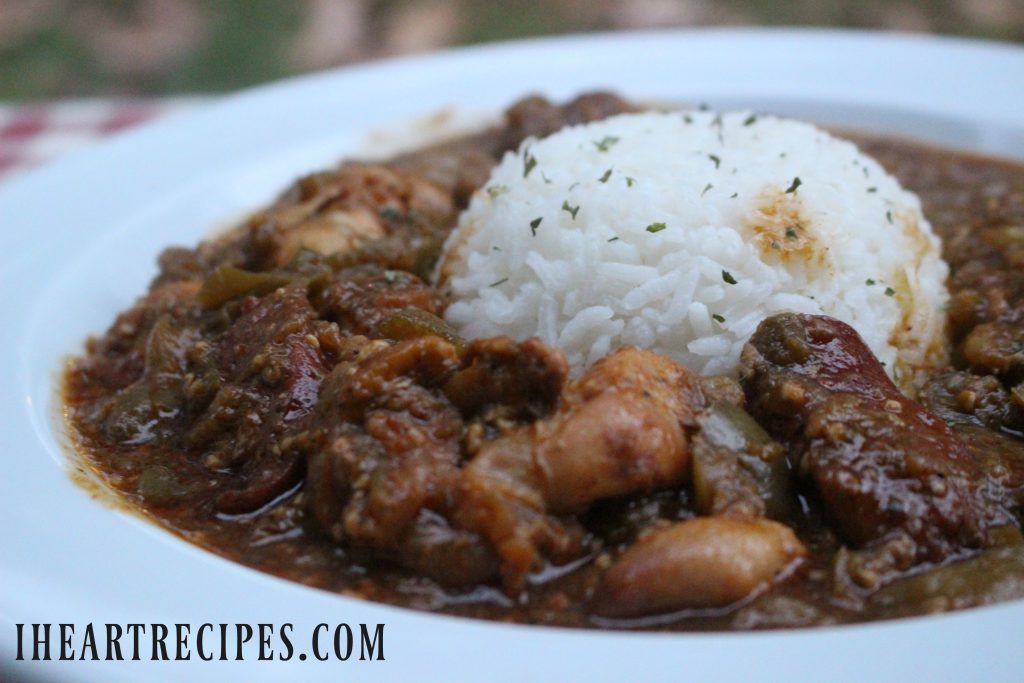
{"x":595,"y":366}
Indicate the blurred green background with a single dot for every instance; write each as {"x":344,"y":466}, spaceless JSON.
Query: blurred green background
{"x":70,"y":48}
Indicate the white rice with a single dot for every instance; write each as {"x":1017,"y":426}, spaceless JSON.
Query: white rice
{"x":760,"y":214}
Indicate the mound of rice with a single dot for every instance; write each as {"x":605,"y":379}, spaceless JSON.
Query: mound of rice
{"x":680,"y":232}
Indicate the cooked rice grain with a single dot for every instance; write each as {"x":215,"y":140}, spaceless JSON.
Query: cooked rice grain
{"x":680,"y":232}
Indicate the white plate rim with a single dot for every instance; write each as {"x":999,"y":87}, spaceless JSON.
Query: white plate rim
{"x":110,"y":185}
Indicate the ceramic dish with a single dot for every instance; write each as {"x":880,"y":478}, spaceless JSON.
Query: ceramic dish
{"x":80,"y":241}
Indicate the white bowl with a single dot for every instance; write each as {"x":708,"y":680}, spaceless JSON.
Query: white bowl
{"x":79,"y":242}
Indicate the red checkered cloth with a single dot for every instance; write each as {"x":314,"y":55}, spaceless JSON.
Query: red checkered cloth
{"x":31,"y":134}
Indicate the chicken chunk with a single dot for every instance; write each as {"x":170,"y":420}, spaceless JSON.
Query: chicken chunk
{"x":383,"y":453}
{"x":524,"y":380}
{"x":700,"y":563}
{"x":621,"y":428}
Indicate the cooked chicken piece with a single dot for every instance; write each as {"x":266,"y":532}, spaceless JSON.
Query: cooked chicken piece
{"x":739,"y":474}
{"x":461,"y":167}
{"x":452,"y":557}
{"x":704,"y":562}
{"x":395,"y":214}
{"x":621,"y":428}
{"x":383,"y":440}
{"x":516,"y":380}
{"x":383,"y":449}
{"x":340,"y":211}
